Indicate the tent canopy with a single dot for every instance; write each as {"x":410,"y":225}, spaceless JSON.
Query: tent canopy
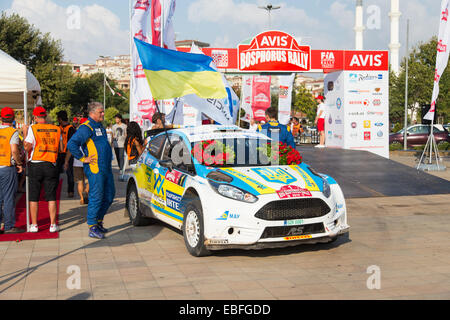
{"x":15,"y":79}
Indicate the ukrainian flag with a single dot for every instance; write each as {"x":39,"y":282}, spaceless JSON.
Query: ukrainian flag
{"x":172,"y":74}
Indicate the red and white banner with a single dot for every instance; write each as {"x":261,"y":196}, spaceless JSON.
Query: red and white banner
{"x":156,"y":23}
{"x":285,"y":98}
{"x":142,"y":105}
{"x":441,"y":57}
{"x":260,"y":96}
{"x":246,"y":97}
{"x":274,"y":50}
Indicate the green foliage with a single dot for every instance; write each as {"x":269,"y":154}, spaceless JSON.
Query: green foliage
{"x":421,"y":70}
{"x":443,"y":146}
{"x":304,"y":102}
{"x":110,"y":114}
{"x":55,"y":110}
{"x":395,"y":146}
{"x":397,"y":127}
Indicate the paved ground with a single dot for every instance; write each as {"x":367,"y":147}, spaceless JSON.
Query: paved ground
{"x":405,"y":237}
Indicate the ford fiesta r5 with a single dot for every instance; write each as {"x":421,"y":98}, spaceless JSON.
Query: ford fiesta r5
{"x":246,"y":202}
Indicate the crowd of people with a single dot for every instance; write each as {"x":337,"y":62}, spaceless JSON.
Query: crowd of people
{"x":84,"y":151}
{"x":42,"y":151}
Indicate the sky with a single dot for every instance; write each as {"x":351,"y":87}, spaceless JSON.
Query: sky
{"x":322,"y":24}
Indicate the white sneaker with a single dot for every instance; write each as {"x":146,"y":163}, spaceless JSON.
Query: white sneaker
{"x":33,"y":228}
{"x":319,"y":146}
{"x":54,"y":228}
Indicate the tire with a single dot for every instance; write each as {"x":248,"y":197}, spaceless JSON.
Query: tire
{"x":133,"y":210}
{"x":193,"y":230}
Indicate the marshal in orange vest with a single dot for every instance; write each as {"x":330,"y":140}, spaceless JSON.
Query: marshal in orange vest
{"x":47,"y":138}
{"x":5,"y":147}
{"x":65,"y":134}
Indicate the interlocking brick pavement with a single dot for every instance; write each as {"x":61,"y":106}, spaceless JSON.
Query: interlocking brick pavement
{"x":406,"y":237}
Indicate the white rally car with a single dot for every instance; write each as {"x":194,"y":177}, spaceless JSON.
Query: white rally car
{"x":243,"y":204}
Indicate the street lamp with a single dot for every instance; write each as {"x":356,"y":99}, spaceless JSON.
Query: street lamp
{"x":104,"y":82}
{"x":269,"y":8}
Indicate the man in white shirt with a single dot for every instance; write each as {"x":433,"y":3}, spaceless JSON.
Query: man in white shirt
{"x":119,"y":134}
{"x":320,"y":121}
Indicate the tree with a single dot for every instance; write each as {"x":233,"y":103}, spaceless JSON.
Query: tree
{"x":110,"y":113}
{"x":421,"y":71}
{"x":304,"y":102}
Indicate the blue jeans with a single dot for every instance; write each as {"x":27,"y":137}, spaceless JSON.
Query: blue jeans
{"x":8,"y":189}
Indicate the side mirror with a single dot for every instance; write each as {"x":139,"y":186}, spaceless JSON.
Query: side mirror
{"x":166,"y":164}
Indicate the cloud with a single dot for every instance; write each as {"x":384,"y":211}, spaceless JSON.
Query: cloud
{"x":97,"y":33}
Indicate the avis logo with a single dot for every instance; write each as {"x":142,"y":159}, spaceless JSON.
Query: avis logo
{"x":366,"y":60}
{"x":327,"y":59}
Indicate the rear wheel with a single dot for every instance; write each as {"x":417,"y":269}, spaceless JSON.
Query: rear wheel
{"x":133,"y":210}
{"x":193,"y":230}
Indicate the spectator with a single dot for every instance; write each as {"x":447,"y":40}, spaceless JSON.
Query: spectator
{"x":9,"y":161}
{"x":42,"y":143}
{"x":134,"y":142}
{"x":253,"y":125}
{"x":67,"y":131}
{"x":273,"y":127}
{"x":75,"y":122}
{"x":96,"y":155}
{"x":320,"y":121}
{"x":119,"y":133}
{"x":79,"y":175}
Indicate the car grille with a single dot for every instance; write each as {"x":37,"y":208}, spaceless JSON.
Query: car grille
{"x":288,"y":231}
{"x":293,"y":209}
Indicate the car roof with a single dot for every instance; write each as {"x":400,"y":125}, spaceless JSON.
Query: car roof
{"x":211,"y":131}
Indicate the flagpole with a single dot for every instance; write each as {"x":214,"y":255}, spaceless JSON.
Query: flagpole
{"x":162,"y":23}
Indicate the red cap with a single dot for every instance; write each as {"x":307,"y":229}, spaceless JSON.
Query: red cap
{"x":75,"y":119}
{"x":83,"y":120}
{"x":319,"y":97}
{"x":39,"y":112}
{"x":7,"y":113}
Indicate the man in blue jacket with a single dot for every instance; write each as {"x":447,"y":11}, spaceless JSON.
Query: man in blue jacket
{"x":278,"y":130}
{"x":97,"y":157}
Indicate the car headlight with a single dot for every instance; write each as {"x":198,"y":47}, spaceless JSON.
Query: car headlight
{"x":326,"y":186}
{"x":231,"y":192}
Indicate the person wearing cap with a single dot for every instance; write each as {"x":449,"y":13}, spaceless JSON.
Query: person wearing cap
{"x":42,"y":143}
{"x":9,"y":161}
{"x":67,"y":131}
{"x":275,"y":130}
{"x":96,"y":155}
{"x":320,"y":121}
{"x":75,"y":122}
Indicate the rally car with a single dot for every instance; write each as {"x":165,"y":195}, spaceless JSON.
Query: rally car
{"x":245,"y":202}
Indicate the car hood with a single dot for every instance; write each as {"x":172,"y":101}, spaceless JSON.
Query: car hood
{"x":272,"y":179}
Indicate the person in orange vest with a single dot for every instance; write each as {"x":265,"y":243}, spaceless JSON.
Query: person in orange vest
{"x":67,"y":131}
{"x":9,"y":160}
{"x":42,"y":143}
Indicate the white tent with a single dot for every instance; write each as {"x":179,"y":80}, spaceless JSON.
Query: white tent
{"x":15,"y":81}
{"x":18,"y":89}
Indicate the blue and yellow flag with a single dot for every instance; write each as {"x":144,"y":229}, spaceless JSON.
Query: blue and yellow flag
{"x":172,"y":74}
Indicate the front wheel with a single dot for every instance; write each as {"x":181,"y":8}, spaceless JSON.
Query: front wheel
{"x":193,"y":230}
{"x":133,"y":210}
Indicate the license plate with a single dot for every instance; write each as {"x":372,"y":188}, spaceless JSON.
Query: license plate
{"x":293,"y":222}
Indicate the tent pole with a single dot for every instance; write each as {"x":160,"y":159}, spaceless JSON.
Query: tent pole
{"x":25,"y":116}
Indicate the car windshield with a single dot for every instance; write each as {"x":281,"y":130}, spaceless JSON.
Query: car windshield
{"x":235,"y":152}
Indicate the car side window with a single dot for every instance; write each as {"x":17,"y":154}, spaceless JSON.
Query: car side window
{"x":155,"y":146}
{"x":179,"y":153}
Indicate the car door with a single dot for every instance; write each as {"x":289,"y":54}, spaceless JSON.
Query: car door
{"x":169,"y":183}
{"x":417,"y":135}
